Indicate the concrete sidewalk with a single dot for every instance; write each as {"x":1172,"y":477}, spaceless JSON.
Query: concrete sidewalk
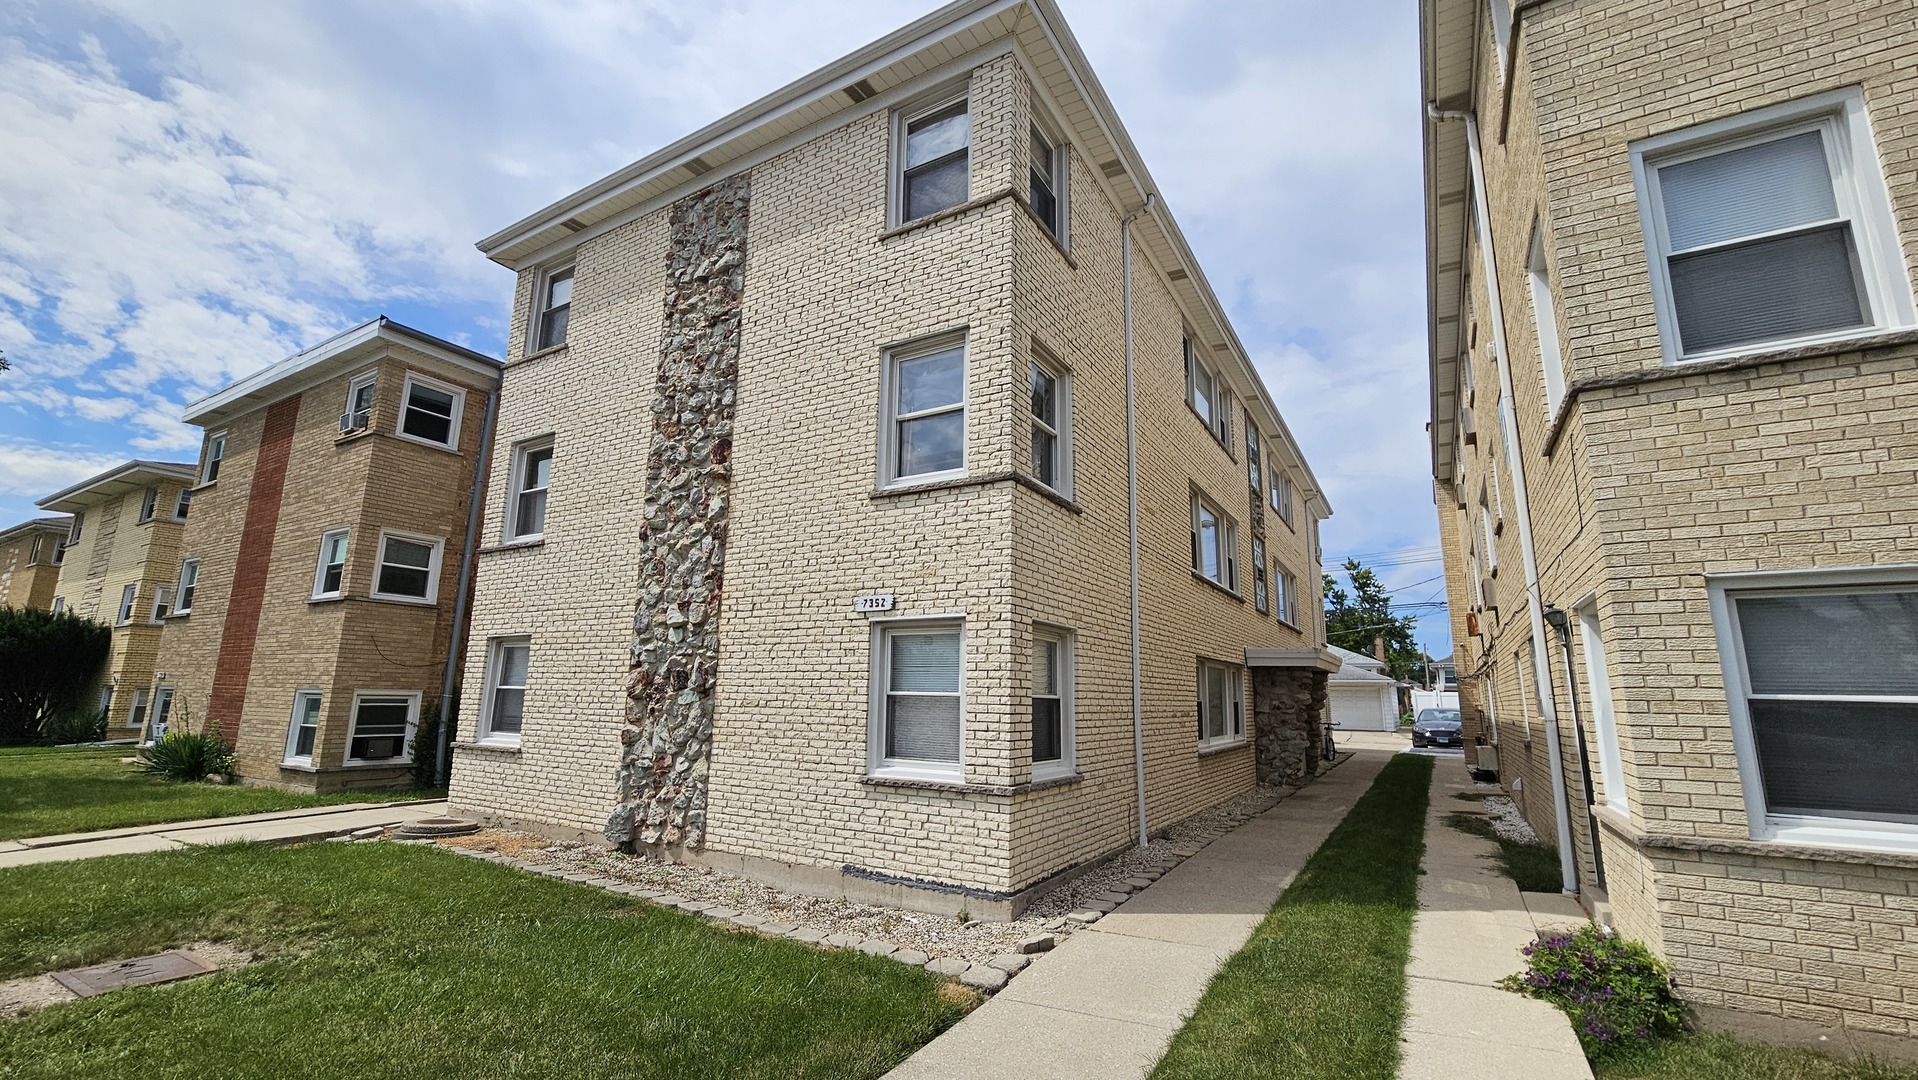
{"x":1471,"y":924}
{"x":280,"y":827}
{"x":1106,"y":1002}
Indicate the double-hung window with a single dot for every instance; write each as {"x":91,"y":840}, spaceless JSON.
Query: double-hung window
{"x":1261,"y":598}
{"x":359,"y":403}
{"x":1288,"y":596}
{"x":137,"y":715}
{"x":1770,"y":230}
{"x":918,"y":704}
{"x":1051,"y":417}
{"x":215,"y":453}
{"x":532,"y":472}
{"x":1051,"y":703}
{"x":162,"y":708}
{"x":162,"y":603}
{"x":925,"y":422}
{"x":383,"y":723}
{"x":149,"y":500}
{"x":126,"y":605}
{"x":409,"y":568}
{"x":330,"y":575}
{"x":935,"y":161}
{"x":1551,"y":357}
{"x":1215,"y":544}
{"x":181,"y":504}
{"x":189,"y":580}
{"x":1206,"y":392}
{"x":1282,"y":495}
{"x":1221,"y":704}
{"x":505,"y":707}
{"x":73,"y":533}
{"x":430,"y":412}
{"x":1048,"y":166}
{"x":555,"y":308}
{"x":1824,"y":703}
{"x":304,"y":728}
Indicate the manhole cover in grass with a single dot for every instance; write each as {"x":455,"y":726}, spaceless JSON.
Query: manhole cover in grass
{"x":139,"y":971}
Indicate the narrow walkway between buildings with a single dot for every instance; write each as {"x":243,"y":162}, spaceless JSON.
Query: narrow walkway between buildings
{"x":280,"y":827}
{"x":1472,"y":922}
{"x":1107,"y":1001}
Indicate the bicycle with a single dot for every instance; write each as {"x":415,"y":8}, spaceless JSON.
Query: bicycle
{"x":1328,"y":750}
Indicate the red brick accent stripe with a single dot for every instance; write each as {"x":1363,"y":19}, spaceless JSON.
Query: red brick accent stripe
{"x":235,"y":664}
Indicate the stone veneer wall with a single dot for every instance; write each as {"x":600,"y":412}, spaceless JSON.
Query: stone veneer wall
{"x":675,"y":653}
{"x":1288,"y":706}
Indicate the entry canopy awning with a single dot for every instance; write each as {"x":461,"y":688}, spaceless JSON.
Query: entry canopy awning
{"x":1320,"y":659}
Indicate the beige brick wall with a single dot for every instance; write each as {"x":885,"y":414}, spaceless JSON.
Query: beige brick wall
{"x":26,"y":581}
{"x":1651,"y":486}
{"x":828,"y":289}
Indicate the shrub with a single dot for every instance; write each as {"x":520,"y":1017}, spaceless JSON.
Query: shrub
{"x":187,"y":755}
{"x":47,"y":662}
{"x":70,"y":726}
{"x":1617,"y":993}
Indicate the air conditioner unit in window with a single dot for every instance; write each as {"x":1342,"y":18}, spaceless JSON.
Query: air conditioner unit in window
{"x":352,"y":422}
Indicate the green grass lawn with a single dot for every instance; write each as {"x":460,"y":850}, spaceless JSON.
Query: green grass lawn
{"x":386,"y":960}
{"x":1319,"y":990}
{"x":48,"y":790}
{"x":1533,"y":866}
{"x":1719,"y":1057}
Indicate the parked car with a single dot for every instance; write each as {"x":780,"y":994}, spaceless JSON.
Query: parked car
{"x":1438,"y":727}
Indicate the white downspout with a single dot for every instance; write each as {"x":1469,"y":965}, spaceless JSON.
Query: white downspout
{"x":1132,"y":516}
{"x":1534,"y":602}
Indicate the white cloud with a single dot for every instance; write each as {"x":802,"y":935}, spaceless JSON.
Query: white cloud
{"x":33,"y":472}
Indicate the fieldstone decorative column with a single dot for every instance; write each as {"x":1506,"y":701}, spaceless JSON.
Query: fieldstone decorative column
{"x":1288,"y":710}
{"x":675,"y":653}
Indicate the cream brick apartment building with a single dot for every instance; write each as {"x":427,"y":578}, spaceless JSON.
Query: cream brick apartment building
{"x":321,"y":573}
{"x":839,"y":401}
{"x":30,"y":557}
{"x":122,"y":548}
{"x":1675,"y":411}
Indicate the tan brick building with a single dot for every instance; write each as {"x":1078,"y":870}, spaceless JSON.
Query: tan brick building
{"x":30,"y":557}
{"x":841,"y":400}
{"x":322,"y":565}
{"x":1675,"y":412}
{"x":122,"y":550}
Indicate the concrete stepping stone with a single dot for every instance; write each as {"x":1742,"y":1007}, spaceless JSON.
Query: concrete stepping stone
{"x":720,"y":914}
{"x":1085,"y":916}
{"x":876,"y":947}
{"x":950,"y":966}
{"x":696,"y":907}
{"x":984,"y":978}
{"x":779,"y":928}
{"x":807,"y":934}
{"x":1010,"y":963}
{"x":1103,"y":907}
{"x":1038,"y":943}
{"x":1136,"y":883}
{"x":911,"y":957}
{"x":746,"y":922}
{"x":843,"y":941}
{"x":669,"y":900}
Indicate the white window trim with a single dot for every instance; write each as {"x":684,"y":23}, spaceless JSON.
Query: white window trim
{"x":1858,"y":182}
{"x":1061,"y":173}
{"x":181,"y":586}
{"x":432,"y":571}
{"x":1228,"y":545}
{"x":288,"y":757}
{"x":459,"y":411}
{"x":365,"y":378}
{"x":162,"y":604}
{"x":412,"y":726}
{"x":129,"y":599}
{"x":1285,"y":586}
{"x":213,"y":462}
{"x":1598,"y":689}
{"x":184,"y":498}
{"x":1068,"y":763}
{"x":515,"y":488}
{"x":1503,"y":20}
{"x":141,"y":706}
{"x":1551,"y":352}
{"x":1062,"y":393}
{"x":896,"y":167}
{"x":320,"y":564}
{"x":536,"y":322}
{"x":1855,"y":834}
{"x":888,"y":408}
{"x":149,"y":504}
{"x":877,"y":763}
{"x":495,"y":654}
{"x":1234,"y":722}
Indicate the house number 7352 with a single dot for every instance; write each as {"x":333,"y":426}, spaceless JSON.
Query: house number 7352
{"x":881,"y":601}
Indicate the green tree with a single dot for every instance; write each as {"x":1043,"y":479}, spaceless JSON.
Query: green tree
{"x":1353,"y":619}
{"x":47,"y":662}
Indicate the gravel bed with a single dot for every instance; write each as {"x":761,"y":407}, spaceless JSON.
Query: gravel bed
{"x":974,"y":940}
{"x":1506,"y":820}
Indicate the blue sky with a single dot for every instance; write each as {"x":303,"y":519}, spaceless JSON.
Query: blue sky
{"x":193,"y":191}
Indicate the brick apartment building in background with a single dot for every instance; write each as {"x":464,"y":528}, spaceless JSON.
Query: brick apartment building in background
{"x":319,"y":573}
{"x":30,"y":557}
{"x":810,"y":550}
{"x":118,"y":567}
{"x":1675,"y":435}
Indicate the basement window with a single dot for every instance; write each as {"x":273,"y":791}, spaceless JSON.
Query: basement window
{"x":1221,"y":704}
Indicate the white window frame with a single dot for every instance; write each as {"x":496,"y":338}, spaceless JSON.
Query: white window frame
{"x":1286,"y":591}
{"x":1598,"y":689}
{"x":1062,"y":437}
{"x":1061,"y":178}
{"x":1283,"y":498}
{"x":149,"y":503}
{"x":214,"y":455}
{"x":59,"y":604}
{"x":542,"y":293}
{"x":1218,"y":399}
{"x":137,"y":708}
{"x":182,"y":503}
{"x":162,"y":604}
{"x":129,"y":596}
{"x":162,"y":709}
{"x":300,"y":698}
{"x":1501,"y":33}
{"x":896,"y":170}
{"x":188,"y":584}
{"x":412,"y":727}
{"x":413,"y":379}
{"x":320,"y":592}
{"x":1551,"y":353}
{"x":1228,"y":555}
{"x":353,"y":388}
{"x":877,"y":763}
{"x":1491,"y":702}
{"x":1234,"y":726}
{"x":1806,"y":830}
{"x":495,"y":657}
{"x":73,"y":531}
{"x":1858,"y":183}
{"x":1067,"y":764}
{"x":890,"y":417}
{"x":517,"y":489}
{"x":432,"y":571}
{"x":1485,"y":534}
